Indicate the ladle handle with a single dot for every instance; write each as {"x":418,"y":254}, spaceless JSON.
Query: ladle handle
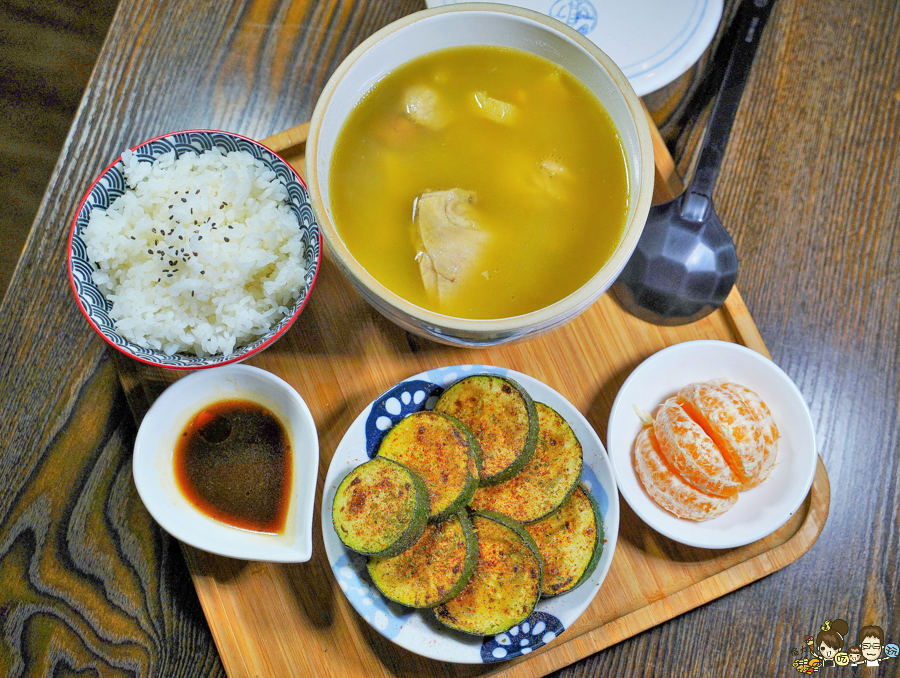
{"x":752,"y":16}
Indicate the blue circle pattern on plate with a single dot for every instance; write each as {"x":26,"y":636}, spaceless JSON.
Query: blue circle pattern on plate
{"x":539,"y":629}
{"x":352,"y":576}
{"x":112,"y":184}
{"x":402,"y":400}
{"x":579,"y":14}
{"x":589,"y":478}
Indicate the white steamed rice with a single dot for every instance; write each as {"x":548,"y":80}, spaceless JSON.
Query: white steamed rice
{"x":202,"y":255}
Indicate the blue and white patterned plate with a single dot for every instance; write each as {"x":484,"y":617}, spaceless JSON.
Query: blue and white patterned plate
{"x":417,"y":630}
{"x":111,"y":184}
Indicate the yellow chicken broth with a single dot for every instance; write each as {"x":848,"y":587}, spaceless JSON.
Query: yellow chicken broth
{"x":548,"y":235}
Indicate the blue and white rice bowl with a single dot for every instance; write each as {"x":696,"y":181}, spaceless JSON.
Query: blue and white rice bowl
{"x":112,"y":183}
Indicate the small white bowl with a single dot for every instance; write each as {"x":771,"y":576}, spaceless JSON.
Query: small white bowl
{"x":155,"y":477}
{"x":759,"y":511}
{"x":479,"y":24}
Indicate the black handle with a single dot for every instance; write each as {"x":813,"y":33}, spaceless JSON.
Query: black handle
{"x":752,"y":16}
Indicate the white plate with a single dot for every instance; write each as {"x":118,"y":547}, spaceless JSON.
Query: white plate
{"x":759,"y":511}
{"x":154,"y":473}
{"x":652,"y":41}
{"x":417,"y":630}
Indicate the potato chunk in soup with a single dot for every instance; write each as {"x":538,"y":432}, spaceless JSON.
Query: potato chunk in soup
{"x":480,"y":182}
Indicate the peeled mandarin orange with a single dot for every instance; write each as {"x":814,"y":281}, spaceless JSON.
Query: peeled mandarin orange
{"x":731,"y":424}
{"x":692,"y":453}
{"x":667,"y":488}
{"x":770,"y":432}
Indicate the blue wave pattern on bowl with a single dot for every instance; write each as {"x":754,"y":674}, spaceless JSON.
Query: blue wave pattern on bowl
{"x":402,"y":400}
{"x":112,"y":184}
{"x":539,"y":629}
{"x":352,"y":576}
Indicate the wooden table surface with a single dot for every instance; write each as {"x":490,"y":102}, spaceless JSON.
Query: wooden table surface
{"x":810,"y":190}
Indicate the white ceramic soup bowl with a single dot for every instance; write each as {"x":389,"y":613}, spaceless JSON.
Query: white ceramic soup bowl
{"x":478,"y":24}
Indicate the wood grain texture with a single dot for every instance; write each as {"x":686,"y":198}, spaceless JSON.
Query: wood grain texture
{"x":809,"y":188}
{"x":47,"y":51}
{"x":108,"y":594}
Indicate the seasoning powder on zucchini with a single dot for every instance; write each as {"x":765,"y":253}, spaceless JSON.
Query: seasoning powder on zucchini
{"x":501,"y":415}
{"x":547,"y":479}
{"x":434,"y":570}
{"x":380,"y":508}
{"x":443,"y":452}
{"x":570,"y":541}
{"x":506,"y":584}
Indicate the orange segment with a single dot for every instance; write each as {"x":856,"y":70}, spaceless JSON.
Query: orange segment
{"x":688,"y":448}
{"x":730,"y":422}
{"x":770,"y":432}
{"x":667,"y":488}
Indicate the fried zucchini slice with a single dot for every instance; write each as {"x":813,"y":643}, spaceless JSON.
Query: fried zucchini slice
{"x":380,"y":508}
{"x":570,"y":541}
{"x":547,"y":480}
{"x":443,"y":452}
{"x":501,"y":415}
{"x":506,"y":583}
{"x":434,"y":570}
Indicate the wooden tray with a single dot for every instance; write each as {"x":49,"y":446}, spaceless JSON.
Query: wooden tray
{"x":280,"y":620}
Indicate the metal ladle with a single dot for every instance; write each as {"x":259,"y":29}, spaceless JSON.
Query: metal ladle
{"x":685,"y":262}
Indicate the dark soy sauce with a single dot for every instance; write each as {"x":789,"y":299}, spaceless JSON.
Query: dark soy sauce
{"x":233,"y":463}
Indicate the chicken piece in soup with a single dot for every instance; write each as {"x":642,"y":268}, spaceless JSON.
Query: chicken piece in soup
{"x":450,"y":240}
